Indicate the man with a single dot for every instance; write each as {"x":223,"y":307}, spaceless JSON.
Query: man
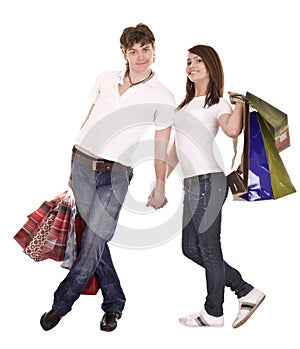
{"x":125,"y":104}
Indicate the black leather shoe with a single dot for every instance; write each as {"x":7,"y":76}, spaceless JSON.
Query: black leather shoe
{"x":50,"y":320}
{"x":109,"y":321}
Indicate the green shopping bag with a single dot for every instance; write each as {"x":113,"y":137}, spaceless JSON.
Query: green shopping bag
{"x":276,"y":120}
{"x":280,"y":179}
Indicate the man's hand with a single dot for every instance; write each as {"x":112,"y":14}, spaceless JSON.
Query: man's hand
{"x":157,"y":198}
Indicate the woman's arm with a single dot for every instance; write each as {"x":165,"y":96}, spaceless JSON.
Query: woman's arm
{"x":172,"y":160}
{"x":232,"y":124}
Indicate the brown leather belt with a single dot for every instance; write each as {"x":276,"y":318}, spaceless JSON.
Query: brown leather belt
{"x":100,"y":165}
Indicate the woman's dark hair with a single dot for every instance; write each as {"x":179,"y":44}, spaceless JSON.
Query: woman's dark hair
{"x":139,"y":34}
{"x":214,"y":67}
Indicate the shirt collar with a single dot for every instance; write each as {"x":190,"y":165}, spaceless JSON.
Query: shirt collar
{"x":150,"y":82}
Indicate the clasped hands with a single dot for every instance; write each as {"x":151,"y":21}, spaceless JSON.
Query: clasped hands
{"x":157,"y":198}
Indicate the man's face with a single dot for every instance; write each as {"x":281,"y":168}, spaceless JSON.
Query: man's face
{"x":140,"y":58}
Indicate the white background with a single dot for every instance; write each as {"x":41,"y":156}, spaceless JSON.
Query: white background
{"x":51,"y":53}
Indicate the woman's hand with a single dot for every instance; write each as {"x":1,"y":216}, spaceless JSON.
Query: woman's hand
{"x":236,"y":97}
{"x":157,"y":198}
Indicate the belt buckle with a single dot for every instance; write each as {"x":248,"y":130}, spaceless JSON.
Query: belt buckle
{"x":95,"y":163}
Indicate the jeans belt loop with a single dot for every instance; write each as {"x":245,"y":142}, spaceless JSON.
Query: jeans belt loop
{"x":95,"y":163}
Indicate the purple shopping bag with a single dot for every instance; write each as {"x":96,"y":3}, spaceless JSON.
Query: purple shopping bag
{"x":259,"y":178}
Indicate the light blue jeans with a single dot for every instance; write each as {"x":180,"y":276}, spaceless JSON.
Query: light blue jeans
{"x":99,"y":197}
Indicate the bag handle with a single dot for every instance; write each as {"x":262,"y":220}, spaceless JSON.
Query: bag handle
{"x":239,"y":98}
{"x":66,"y":196}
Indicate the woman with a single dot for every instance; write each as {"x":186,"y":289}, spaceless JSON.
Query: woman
{"x":197,"y":120}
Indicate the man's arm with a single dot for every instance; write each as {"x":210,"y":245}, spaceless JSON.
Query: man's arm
{"x":157,"y":198}
{"x":89,"y":113}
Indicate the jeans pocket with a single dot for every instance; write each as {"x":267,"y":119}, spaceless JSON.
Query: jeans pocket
{"x":200,"y":192}
{"x":221,"y":187}
{"x":121,"y":177}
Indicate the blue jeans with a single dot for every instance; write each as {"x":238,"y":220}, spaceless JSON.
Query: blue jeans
{"x":99,"y":197}
{"x":203,"y":200}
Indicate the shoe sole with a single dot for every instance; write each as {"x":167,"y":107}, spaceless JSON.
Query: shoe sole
{"x":108,"y":329}
{"x":240,"y":323}
{"x":196,"y":325}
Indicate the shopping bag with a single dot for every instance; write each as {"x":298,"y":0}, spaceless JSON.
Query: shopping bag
{"x":236,"y":183}
{"x":262,"y":171}
{"x":259,"y":178}
{"x":55,"y":243}
{"x":34,"y":223}
{"x":275,"y":120}
{"x":34,"y":247}
{"x":44,"y":234}
{"x":71,"y":248}
{"x":280,"y":179}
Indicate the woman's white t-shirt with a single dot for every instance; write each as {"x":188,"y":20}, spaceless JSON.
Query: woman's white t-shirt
{"x":196,"y":128}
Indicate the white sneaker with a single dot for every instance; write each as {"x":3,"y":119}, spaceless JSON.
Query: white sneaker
{"x":247,"y":306}
{"x":201,"y":319}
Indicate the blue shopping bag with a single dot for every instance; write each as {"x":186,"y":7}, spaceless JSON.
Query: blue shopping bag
{"x":261,"y":174}
{"x":259,"y":178}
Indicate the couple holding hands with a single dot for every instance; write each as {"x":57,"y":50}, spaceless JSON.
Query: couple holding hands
{"x":124,"y":105}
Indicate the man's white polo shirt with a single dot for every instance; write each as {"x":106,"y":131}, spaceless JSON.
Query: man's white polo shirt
{"x":117,"y":123}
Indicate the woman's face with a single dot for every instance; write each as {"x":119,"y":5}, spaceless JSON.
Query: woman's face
{"x":140,"y":58}
{"x":195,"y":69}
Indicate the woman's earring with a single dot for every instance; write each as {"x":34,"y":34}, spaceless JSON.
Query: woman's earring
{"x":154,"y":58}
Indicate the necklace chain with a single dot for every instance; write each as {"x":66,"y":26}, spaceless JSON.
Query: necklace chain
{"x":140,"y":82}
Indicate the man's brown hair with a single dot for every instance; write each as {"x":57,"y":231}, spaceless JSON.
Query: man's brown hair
{"x":139,"y":34}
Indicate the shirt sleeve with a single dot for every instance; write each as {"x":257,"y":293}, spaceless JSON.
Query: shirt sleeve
{"x":95,"y":93}
{"x":164,"y":116}
{"x":224,"y":107}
